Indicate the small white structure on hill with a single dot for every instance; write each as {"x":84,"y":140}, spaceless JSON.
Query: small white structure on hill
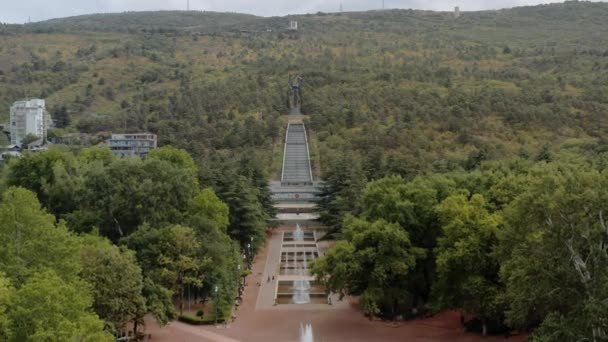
{"x":293,"y":25}
{"x":456,"y":12}
{"x":28,"y":118}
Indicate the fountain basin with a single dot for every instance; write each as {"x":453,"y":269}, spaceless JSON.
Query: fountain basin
{"x":287,"y":288}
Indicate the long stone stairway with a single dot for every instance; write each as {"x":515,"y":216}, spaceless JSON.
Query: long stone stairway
{"x":296,"y":159}
{"x":296,"y":194}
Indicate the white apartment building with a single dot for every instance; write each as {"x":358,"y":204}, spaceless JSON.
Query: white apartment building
{"x":28,"y":117}
{"x":133,"y":144}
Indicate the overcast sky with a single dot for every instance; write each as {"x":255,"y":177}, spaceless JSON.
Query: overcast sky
{"x":18,"y":11}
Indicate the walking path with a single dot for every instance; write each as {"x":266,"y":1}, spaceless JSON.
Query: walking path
{"x":265,"y":297}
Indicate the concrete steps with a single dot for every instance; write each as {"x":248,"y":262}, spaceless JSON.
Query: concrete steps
{"x":296,"y":159}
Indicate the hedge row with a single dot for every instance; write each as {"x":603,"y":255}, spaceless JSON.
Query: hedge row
{"x":193,"y":320}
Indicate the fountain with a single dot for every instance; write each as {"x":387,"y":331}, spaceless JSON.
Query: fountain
{"x":298,"y":234}
{"x":306,"y":333}
{"x":301,"y":287}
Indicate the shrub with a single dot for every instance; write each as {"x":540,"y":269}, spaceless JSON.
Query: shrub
{"x":191,"y":320}
{"x":200,"y":313}
{"x":198,"y":320}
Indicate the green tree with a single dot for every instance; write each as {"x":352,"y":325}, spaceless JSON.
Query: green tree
{"x":374,"y":262}
{"x":63,"y":195}
{"x":250,"y":167}
{"x":94,"y":154}
{"x":344,"y":179}
{"x":116,"y":282}
{"x":207,"y":205}
{"x":412,"y":206}
{"x":545,"y":154}
{"x":159,"y":301}
{"x":337,"y":268}
{"x":6,"y":297}
{"x":555,"y":263}
{"x":47,"y":308}
{"x":467,"y":269}
{"x":67,"y":192}
{"x":40,"y":257}
{"x":129,"y":192}
{"x":179,"y":158}
{"x":35,"y":170}
{"x":248,"y":220}
{"x":209,"y":217}
{"x":61,"y":117}
{"x":171,"y":256}
{"x":31,"y":241}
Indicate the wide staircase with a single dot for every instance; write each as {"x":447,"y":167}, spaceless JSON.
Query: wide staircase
{"x":296,"y":194}
{"x":296,"y":159}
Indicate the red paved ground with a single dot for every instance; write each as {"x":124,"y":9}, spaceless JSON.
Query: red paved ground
{"x":328,"y":325}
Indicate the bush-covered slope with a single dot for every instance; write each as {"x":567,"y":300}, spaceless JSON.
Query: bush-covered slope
{"x":411,"y":91}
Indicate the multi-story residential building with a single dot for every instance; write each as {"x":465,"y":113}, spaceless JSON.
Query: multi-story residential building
{"x":28,"y":117}
{"x":135,"y":144}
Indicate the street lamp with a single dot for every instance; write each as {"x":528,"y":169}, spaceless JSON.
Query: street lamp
{"x":249,"y":258}
{"x":238,"y":275}
{"x":250,"y":254}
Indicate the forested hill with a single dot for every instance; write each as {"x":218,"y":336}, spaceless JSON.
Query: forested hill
{"x":421,"y":88}
{"x":166,"y":21}
{"x":571,"y":17}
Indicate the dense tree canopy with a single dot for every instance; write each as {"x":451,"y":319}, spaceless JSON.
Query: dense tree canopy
{"x":41,"y":294}
{"x":32,"y":241}
{"x":116,"y":282}
{"x":48,"y":308}
{"x":169,"y":236}
{"x":6,"y":296}
{"x":171,"y":257}
{"x":467,"y":270}
{"x":373,"y":261}
{"x":516,"y":244}
{"x":556,"y":258}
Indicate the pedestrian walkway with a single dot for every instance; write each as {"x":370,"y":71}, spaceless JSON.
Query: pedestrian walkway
{"x":265,"y":298}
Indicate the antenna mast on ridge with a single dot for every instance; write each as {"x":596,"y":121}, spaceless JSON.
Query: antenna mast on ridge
{"x":187,"y":5}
